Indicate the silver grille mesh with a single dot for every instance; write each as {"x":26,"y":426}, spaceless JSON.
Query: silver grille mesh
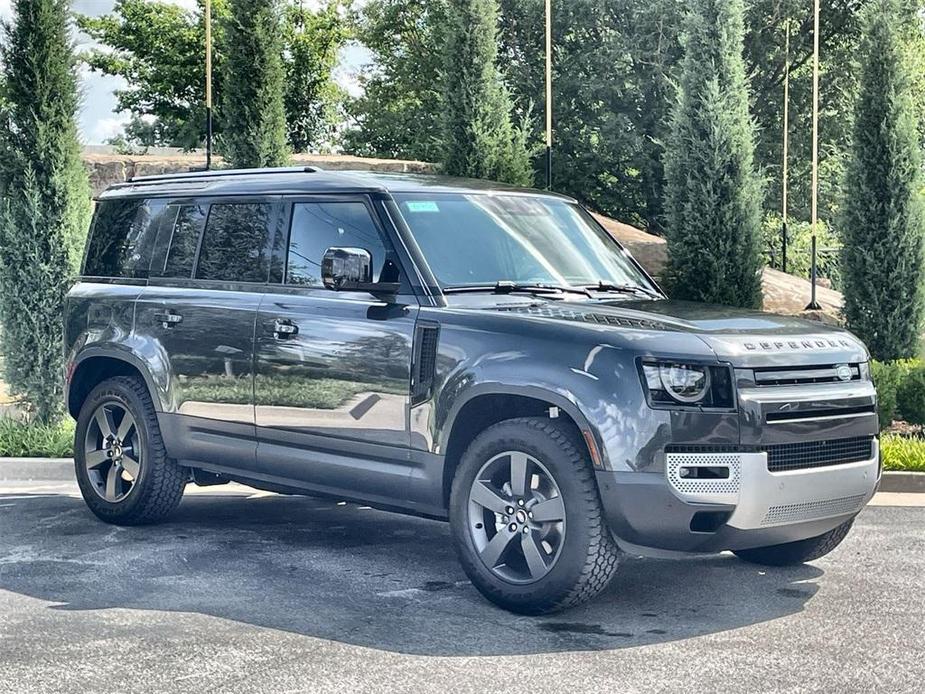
{"x":811,"y":510}
{"x":704,"y":487}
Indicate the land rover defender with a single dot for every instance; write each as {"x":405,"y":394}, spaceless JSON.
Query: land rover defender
{"x":458,"y":350}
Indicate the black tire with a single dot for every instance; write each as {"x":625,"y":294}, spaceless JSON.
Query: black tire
{"x":156,"y":488}
{"x":799,"y":552}
{"x":587,"y":555}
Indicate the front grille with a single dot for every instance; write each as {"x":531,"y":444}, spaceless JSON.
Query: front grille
{"x":807,"y":375}
{"x":811,"y":454}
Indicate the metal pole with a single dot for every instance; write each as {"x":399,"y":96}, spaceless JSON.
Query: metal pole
{"x":813,"y":304}
{"x":208,"y":20}
{"x":786,"y":148}
{"x":548,"y":94}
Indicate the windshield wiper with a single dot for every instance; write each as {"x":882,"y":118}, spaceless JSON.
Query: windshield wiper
{"x":605,"y":286}
{"x":507,"y":287}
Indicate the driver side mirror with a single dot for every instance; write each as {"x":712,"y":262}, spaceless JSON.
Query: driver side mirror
{"x":351,"y":269}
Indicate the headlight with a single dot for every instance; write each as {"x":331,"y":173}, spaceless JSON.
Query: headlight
{"x":864,"y":370}
{"x":696,"y":385}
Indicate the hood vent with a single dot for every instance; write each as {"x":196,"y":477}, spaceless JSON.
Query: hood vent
{"x":564,"y":313}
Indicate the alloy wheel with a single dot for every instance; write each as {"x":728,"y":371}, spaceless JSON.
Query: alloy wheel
{"x":112,"y":453}
{"x":516,"y":517}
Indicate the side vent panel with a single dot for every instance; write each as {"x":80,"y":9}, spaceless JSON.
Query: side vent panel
{"x":426,"y":336}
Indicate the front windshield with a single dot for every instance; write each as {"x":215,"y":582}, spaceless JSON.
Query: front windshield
{"x":477,"y":239}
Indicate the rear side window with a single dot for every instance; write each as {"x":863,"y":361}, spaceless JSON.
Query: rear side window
{"x":236,"y":243}
{"x":183,"y":241}
{"x":317,"y":226}
{"x":122,"y":238}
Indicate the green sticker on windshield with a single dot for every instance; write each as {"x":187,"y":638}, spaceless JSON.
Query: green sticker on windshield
{"x":422,"y":206}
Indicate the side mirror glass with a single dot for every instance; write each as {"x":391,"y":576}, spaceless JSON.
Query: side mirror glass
{"x":345,"y":268}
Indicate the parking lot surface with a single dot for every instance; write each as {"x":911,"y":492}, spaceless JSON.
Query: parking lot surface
{"x":255,"y":592}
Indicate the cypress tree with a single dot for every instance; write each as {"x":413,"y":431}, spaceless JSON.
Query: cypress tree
{"x":481,"y":139}
{"x":254,"y":113}
{"x":883,"y":221}
{"x":44,"y":199}
{"x":713,"y":192}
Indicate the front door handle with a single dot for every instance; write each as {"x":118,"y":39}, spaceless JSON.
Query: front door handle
{"x":168,"y":319}
{"x":284,"y":329}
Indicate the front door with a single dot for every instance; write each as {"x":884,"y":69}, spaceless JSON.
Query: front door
{"x":333,"y":369}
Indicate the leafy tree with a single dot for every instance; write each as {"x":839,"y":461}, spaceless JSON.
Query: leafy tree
{"x":253,"y":108}
{"x":313,"y":100}
{"x":613,"y":70}
{"x":44,"y":198}
{"x":884,"y":211}
{"x":480,"y":138}
{"x":157,"y":48}
{"x":399,"y":113}
{"x":713,"y":191}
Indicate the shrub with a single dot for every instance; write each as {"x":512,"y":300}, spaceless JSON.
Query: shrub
{"x":902,"y":453}
{"x":799,"y":255}
{"x":910,"y":395}
{"x":889,"y":378}
{"x":20,"y":439}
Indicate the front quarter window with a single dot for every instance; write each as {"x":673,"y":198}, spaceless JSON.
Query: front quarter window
{"x":476,"y":239}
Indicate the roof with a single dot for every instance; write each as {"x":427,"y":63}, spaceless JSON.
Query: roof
{"x":304,"y":179}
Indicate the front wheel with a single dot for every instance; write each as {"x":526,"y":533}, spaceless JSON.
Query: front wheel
{"x":799,"y":552}
{"x":526,"y":518}
{"x":122,"y":468}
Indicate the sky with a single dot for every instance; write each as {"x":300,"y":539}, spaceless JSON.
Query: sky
{"x":97,"y":120}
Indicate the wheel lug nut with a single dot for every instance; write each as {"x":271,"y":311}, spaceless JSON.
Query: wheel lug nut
{"x":526,"y":530}
{"x":530,"y":515}
{"x":520,"y":502}
{"x":509,"y":510}
{"x":513,"y":527}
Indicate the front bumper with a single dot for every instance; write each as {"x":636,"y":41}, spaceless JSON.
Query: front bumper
{"x":752,"y":507}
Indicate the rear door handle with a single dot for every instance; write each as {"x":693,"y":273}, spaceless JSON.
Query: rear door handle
{"x":284,"y":329}
{"x":168,"y":319}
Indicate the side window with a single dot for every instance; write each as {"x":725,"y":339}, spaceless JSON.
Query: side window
{"x":236,"y":243}
{"x":182,"y":242}
{"x":122,"y":238}
{"x":317,"y":226}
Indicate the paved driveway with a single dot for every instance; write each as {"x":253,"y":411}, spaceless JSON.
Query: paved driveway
{"x":245,"y":591}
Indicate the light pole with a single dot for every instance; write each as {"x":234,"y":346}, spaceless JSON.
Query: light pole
{"x":548,"y":94}
{"x":208,"y":21}
{"x":785,"y":182}
{"x":813,"y":304}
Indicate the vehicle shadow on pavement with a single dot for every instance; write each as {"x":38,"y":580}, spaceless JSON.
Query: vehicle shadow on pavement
{"x":356,"y":575}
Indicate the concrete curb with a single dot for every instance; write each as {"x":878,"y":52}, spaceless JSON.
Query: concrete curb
{"x":903,"y":482}
{"x":36,"y":469}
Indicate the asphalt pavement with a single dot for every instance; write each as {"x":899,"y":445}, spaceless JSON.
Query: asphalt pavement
{"x":254,"y":592}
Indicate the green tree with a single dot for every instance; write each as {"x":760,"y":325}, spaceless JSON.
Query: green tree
{"x":313,"y":100}
{"x":399,"y":112}
{"x":884,"y":219}
{"x":44,"y":198}
{"x":713,"y":198}
{"x":253,"y":107}
{"x":480,"y":137}
{"x":157,"y":48}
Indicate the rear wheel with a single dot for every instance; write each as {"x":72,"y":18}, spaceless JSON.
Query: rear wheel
{"x":527,"y":520}
{"x":799,"y":552}
{"x":122,"y":468}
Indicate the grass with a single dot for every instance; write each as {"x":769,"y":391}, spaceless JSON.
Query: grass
{"x":902,"y":453}
{"x":21,"y":440}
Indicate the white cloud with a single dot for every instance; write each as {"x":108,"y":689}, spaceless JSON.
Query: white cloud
{"x":107,"y":128}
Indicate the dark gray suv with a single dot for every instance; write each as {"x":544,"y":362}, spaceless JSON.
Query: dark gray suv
{"x":455,"y":350}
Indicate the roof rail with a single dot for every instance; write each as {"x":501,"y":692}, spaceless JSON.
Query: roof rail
{"x":219,"y":173}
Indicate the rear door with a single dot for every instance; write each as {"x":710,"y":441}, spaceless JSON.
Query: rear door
{"x":333,"y":369}
{"x":208,"y":275}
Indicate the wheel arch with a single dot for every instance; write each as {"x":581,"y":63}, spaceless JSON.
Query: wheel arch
{"x":484,"y":406}
{"x":94,"y":366}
